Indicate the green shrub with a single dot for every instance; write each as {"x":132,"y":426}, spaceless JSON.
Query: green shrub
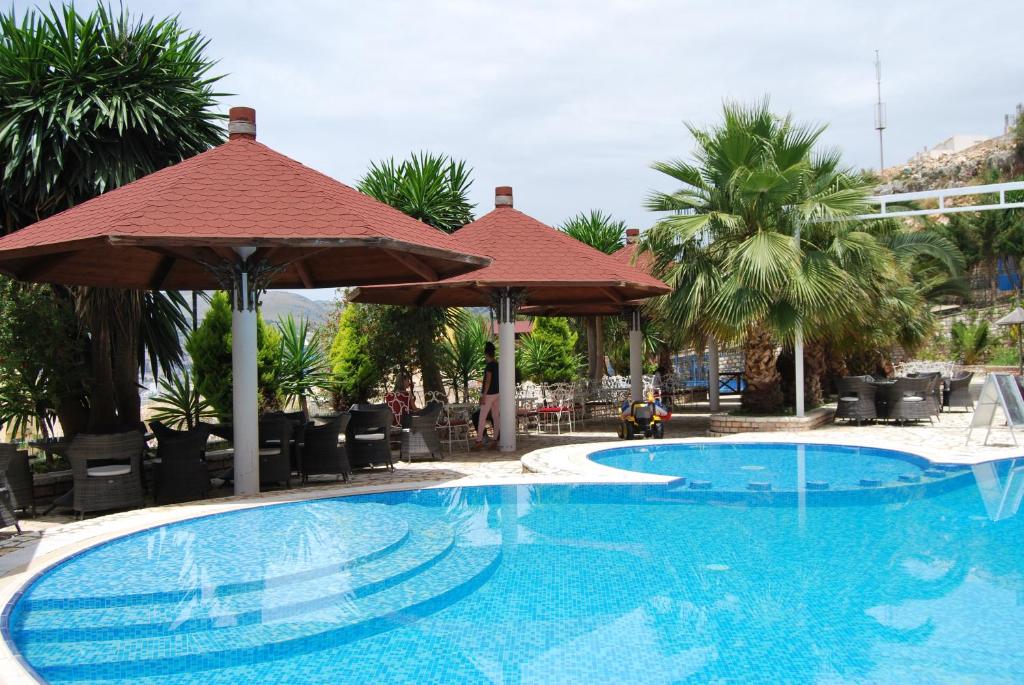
{"x":353,"y":365}
{"x":1005,"y":356}
{"x":210,"y":349}
{"x":548,"y":354}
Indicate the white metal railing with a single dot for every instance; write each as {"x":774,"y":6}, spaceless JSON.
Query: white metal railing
{"x":940,"y":195}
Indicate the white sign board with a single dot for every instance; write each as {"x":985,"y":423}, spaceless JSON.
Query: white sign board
{"x":1000,"y":390}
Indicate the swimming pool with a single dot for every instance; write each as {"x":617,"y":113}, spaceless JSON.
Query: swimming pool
{"x":784,"y":467}
{"x":544,"y":583}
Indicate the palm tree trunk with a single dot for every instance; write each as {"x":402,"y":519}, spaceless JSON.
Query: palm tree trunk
{"x":598,"y":348}
{"x":815,"y":367}
{"x":125,"y":376}
{"x":102,"y":403}
{"x":763,"y":392}
{"x":429,"y":368}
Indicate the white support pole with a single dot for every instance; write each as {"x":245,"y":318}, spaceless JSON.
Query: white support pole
{"x":636,"y":357}
{"x":506,"y":374}
{"x":713,"y":399}
{"x":245,"y":417}
{"x":798,"y":353}
{"x":798,"y":369}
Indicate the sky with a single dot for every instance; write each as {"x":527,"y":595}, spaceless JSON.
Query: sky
{"x":570,"y":102}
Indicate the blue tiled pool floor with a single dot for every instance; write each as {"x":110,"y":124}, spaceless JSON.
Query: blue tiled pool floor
{"x":544,"y":584}
{"x":736,"y":466}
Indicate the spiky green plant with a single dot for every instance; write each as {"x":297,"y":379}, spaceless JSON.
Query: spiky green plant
{"x":178,"y":403}
{"x":597,"y":229}
{"x":89,"y":102}
{"x":304,"y":366}
{"x":462,"y":351}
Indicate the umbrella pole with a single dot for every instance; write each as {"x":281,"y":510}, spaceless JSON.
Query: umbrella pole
{"x":245,"y":390}
{"x":507,"y":373}
{"x":713,"y":404}
{"x":1020,"y":352}
{"x":636,"y":361}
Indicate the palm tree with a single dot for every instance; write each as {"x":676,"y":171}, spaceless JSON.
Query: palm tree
{"x":730,"y":246}
{"x":435,"y":190}
{"x":89,"y":102}
{"x":602,"y":232}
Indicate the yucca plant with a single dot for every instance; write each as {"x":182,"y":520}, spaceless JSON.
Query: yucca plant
{"x":89,"y":102}
{"x":462,"y":351}
{"x":304,"y":365}
{"x":179,"y":404}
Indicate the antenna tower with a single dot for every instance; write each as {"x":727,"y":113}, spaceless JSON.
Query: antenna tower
{"x":879,"y":111}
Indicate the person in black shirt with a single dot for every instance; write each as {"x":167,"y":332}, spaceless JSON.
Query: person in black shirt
{"x":489,"y":397}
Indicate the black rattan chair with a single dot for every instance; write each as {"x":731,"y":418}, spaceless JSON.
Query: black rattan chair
{"x":367,"y":436}
{"x":908,"y":399}
{"x":8,"y":451}
{"x":181,"y":474}
{"x":115,"y":484}
{"x":419,"y":433}
{"x":322,"y":454}
{"x":856,"y":399}
{"x":20,"y":482}
{"x":275,"y":435}
{"x":958,"y":392}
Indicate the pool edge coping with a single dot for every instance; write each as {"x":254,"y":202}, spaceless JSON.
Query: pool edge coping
{"x":15,"y":670}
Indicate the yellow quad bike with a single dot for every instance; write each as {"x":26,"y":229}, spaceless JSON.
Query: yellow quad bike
{"x":641,"y":420}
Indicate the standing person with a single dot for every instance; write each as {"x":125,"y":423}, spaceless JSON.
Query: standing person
{"x":488,"y":397}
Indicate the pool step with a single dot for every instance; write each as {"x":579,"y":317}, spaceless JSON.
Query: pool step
{"x":225,"y":606}
{"x":459,"y":573}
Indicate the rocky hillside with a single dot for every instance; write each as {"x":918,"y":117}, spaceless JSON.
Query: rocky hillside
{"x":966,"y":167}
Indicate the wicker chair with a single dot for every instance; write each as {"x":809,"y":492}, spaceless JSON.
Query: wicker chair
{"x":419,"y":433}
{"x":275,"y":435}
{"x":322,"y":454}
{"x":856,"y":399}
{"x":8,"y":504}
{"x":908,"y":399}
{"x":958,"y":392}
{"x":181,"y":474}
{"x":366,"y":436}
{"x":19,"y":481}
{"x":934,"y":395}
{"x":116,"y":484}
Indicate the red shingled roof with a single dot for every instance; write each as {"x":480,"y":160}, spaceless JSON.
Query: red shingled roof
{"x":551,"y":267}
{"x":152,"y":233}
{"x":627,"y":254}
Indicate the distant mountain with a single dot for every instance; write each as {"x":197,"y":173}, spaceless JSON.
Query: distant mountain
{"x":277,"y":304}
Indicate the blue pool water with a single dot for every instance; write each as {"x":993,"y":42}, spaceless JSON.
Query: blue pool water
{"x":781,"y":466}
{"x":546,"y":584}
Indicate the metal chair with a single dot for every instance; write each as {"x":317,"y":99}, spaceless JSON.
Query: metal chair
{"x":322,"y":453}
{"x":453,"y":423}
{"x":856,"y":400}
{"x":115,"y":484}
{"x":419,"y":433}
{"x":366,"y":436}
{"x":181,"y":474}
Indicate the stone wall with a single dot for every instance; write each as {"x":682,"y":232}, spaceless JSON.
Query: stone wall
{"x":728,"y":424}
